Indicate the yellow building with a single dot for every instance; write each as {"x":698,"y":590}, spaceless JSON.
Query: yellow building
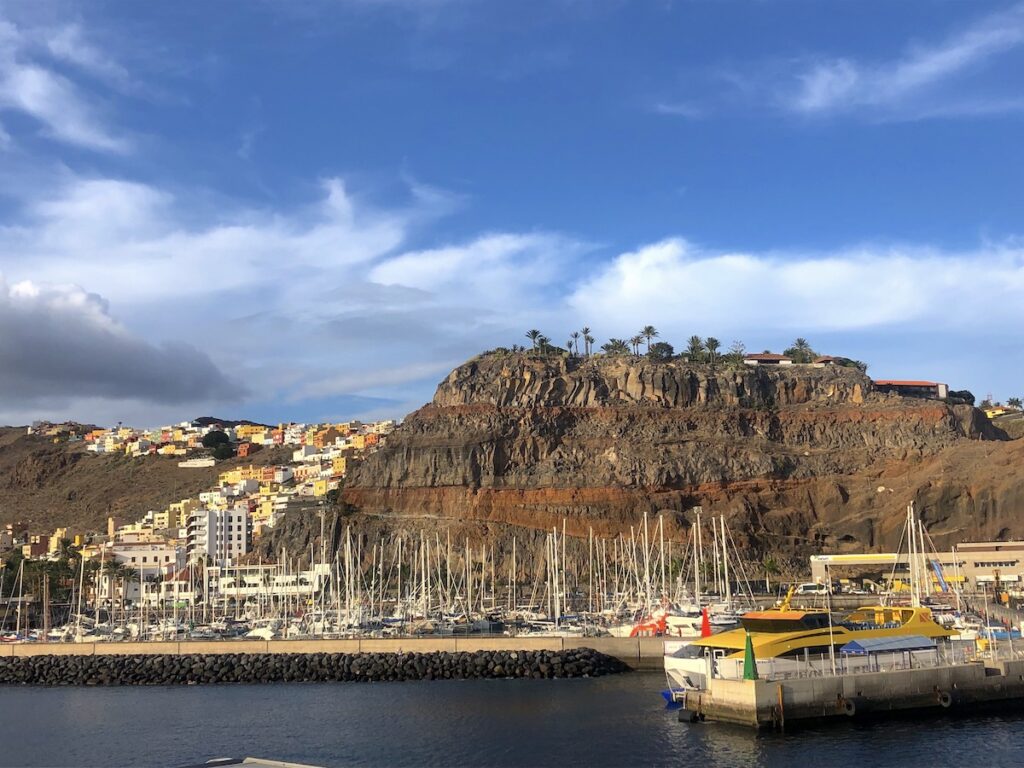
{"x":231,"y":477}
{"x":55,"y":540}
{"x":243,"y":431}
{"x":264,"y":510}
{"x":998,"y":410}
{"x":339,"y":464}
{"x":320,"y":487}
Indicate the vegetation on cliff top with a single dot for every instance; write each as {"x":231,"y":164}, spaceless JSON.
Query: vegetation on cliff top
{"x":698,"y":350}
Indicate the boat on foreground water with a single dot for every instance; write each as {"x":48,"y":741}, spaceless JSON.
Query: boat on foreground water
{"x":257,"y":761}
{"x":795,"y":635}
{"x":788,"y":632}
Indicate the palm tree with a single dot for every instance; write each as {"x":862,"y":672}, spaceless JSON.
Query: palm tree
{"x":635,"y":342}
{"x":737,"y":352}
{"x":712,"y":345}
{"x":575,"y":336}
{"x":587,"y":340}
{"x":544,"y":343}
{"x":615,"y":347}
{"x":695,"y":349}
{"x":128,"y":575}
{"x":649,"y":332}
{"x":801,"y":351}
{"x":534,"y":336}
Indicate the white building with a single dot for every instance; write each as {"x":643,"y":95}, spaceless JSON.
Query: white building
{"x":222,"y":535}
{"x":304,"y":453}
{"x":149,"y":559}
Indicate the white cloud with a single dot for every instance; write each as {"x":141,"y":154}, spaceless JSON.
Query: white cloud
{"x":682,"y":288}
{"x":494,"y":270}
{"x":140,"y":243}
{"x":371,"y":380}
{"x":913,"y":85}
{"x":29,"y":85}
{"x":685,"y":109}
{"x":70,"y":44}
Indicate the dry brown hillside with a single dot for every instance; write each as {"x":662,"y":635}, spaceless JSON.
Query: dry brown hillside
{"x":50,"y":485}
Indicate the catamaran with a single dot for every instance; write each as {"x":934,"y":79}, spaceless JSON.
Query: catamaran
{"x":795,"y":635}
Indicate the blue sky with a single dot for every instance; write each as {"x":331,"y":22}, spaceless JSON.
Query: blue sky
{"x":306,"y":210}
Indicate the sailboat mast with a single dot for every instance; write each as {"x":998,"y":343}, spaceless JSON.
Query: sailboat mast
{"x":725,"y":565}
{"x":697,"y":560}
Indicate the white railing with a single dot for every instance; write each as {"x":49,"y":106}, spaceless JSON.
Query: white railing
{"x":826,"y":665}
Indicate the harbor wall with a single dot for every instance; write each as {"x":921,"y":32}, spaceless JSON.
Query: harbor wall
{"x":635,"y":652}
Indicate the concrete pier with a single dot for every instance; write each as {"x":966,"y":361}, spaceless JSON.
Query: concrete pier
{"x":635,"y":652}
{"x":775,"y":703}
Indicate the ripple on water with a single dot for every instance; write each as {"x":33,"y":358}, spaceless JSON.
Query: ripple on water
{"x":612,"y":721}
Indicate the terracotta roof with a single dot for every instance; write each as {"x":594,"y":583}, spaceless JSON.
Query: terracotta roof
{"x":897,"y":383}
{"x":826,"y":358}
{"x":765,"y":356}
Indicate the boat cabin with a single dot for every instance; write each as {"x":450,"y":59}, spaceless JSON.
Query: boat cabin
{"x":784,"y":621}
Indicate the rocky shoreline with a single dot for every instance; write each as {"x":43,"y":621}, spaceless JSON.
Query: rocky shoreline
{"x":187,"y":669}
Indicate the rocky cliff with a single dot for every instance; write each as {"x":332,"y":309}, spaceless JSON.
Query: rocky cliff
{"x":798,"y":459}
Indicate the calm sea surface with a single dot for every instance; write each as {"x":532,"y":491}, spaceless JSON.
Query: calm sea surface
{"x":615,"y":721}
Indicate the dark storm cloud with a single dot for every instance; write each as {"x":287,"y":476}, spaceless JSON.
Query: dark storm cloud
{"x":62,"y":342}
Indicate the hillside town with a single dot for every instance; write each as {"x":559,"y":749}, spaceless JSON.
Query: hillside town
{"x":144,"y":559}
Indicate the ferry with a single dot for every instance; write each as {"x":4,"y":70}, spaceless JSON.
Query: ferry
{"x":794,"y":635}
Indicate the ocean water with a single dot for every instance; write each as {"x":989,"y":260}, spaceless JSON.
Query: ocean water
{"x":613,"y":721}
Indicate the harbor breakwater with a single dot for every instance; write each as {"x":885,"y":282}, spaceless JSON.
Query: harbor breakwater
{"x":635,"y":652}
{"x":194,"y":668}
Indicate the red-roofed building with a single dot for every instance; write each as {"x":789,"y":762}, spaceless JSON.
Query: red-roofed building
{"x":767,"y":358}
{"x":913,"y":388}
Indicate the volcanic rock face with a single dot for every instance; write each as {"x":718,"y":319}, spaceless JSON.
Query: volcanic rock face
{"x":798,"y":459}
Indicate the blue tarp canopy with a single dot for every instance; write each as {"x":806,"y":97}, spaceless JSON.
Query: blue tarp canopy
{"x":888,"y":644}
